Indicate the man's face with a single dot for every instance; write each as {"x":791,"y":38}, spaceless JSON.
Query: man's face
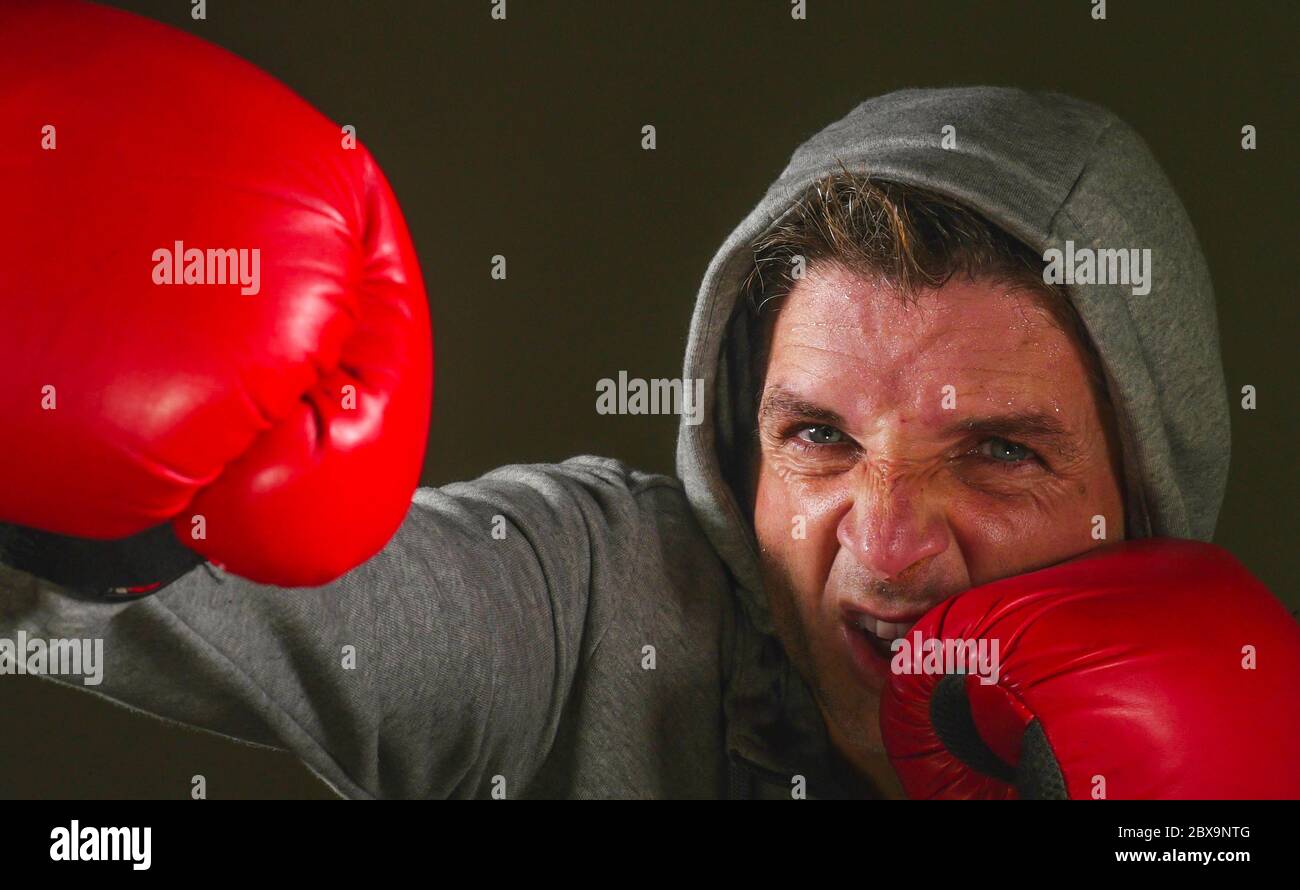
{"x":908,"y":453}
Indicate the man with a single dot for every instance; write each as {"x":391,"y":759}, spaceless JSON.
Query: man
{"x":902,"y":402}
{"x":904,"y":497}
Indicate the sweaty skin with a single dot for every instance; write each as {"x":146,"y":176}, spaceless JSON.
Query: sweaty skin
{"x":876,"y":495}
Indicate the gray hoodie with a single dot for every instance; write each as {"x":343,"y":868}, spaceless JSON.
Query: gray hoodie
{"x":586,"y":630}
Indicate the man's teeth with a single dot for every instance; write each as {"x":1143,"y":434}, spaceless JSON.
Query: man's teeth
{"x":885,"y":630}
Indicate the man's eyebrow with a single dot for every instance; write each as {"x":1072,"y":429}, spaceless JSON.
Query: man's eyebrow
{"x":781,"y":402}
{"x":1035,"y":426}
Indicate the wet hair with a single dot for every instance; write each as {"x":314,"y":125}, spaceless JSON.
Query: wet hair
{"x":910,"y":238}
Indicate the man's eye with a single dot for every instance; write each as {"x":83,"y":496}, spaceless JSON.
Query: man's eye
{"x":1005,"y":451}
{"x":821,"y":435}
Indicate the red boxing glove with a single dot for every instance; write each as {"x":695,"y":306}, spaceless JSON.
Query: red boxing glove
{"x":213,"y":316}
{"x":1149,"y":669}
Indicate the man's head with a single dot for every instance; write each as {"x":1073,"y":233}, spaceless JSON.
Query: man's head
{"x":932,"y":417}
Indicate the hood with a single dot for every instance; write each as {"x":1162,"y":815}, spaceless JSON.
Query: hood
{"x":1048,"y":169}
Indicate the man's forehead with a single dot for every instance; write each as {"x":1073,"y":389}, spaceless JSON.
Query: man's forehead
{"x":850,"y":403}
{"x":968,"y":332}
{"x":973,"y":357}
{"x":841,"y":305}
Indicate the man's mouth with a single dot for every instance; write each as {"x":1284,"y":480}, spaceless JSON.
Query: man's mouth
{"x":869,"y":639}
{"x":881,"y":634}
{"x":888,"y":631}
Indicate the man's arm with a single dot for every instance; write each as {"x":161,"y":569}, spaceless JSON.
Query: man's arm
{"x":442,"y":662}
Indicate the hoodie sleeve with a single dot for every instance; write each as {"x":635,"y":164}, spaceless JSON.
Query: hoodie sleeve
{"x":439,"y":665}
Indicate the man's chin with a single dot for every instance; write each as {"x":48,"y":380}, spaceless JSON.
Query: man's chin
{"x":851,"y":711}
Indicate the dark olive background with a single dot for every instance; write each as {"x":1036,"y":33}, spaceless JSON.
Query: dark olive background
{"x":523,"y":138}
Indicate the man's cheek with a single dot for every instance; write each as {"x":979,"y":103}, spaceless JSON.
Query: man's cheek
{"x":1000,"y":539}
{"x":791,"y":519}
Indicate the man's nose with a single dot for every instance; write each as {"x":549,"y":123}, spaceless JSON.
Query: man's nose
{"x":890,"y":525}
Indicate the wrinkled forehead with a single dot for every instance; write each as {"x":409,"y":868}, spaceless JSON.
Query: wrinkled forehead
{"x":837,"y":322}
